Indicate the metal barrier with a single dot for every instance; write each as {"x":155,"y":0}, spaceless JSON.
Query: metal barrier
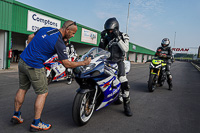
{"x":196,"y":63}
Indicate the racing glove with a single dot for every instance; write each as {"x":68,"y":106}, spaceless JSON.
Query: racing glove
{"x":116,"y":33}
{"x":103,"y":33}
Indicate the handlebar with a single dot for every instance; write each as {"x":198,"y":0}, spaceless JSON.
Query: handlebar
{"x":108,"y":64}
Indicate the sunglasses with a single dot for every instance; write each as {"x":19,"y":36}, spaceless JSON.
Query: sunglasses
{"x":74,"y":23}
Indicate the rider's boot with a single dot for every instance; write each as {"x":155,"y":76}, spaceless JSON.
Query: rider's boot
{"x":170,"y":86}
{"x":127,"y":109}
{"x":169,"y":81}
{"x":126,"y":98}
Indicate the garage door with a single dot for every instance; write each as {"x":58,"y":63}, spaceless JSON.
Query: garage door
{"x":139,"y":58}
{"x":145,"y":58}
{"x":132,"y":57}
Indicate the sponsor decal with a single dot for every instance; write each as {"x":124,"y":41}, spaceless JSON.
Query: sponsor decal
{"x":60,"y":76}
{"x":113,"y":93}
{"x":88,"y":36}
{"x":180,"y":49}
{"x":134,"y":47}
{"x":106,"y":84}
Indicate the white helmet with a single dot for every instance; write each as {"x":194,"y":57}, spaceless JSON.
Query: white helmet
{"x":165,"y":42}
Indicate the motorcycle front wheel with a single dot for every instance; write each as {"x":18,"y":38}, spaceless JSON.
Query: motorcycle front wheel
{"x":152,"y":83}
{"x":82,"y":109}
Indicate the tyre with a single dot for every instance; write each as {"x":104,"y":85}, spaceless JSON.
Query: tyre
{"x":161,"y":80}
{"x":69,"y":81}
{"x":152,"y":83}
{"x":49,"y":77}
{"x":162,"y":83}
{"x":82,"y":109}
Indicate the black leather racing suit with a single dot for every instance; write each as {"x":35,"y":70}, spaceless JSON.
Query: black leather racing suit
{"x":166,"y":55}
{"x":117,"y":56}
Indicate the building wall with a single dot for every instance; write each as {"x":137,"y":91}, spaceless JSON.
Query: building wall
{"x":81,"y":48}
{"x":2,"y":48}
{"x":14,"y":22}
{"x":139,"y":49}
{"x":20,"y":16}
{"x":6,"y":14}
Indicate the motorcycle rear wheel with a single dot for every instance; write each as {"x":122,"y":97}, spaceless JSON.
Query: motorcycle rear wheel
{"x":82,"y":109}
{"x":162,"y":83}
{"x":69,"y":81}
{"x":49,"y":78}
{"x":152,"y":83}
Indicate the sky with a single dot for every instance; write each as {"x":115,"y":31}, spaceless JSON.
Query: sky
{"x":149,"y":20}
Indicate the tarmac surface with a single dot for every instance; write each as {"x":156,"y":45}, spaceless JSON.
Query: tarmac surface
{"x":162,"y":111}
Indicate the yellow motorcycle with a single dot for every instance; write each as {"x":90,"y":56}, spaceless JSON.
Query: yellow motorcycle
{"x":157,"y":74}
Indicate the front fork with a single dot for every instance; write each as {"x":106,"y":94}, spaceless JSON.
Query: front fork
{"x":157,"y":74}
{"x":95,"y":94}
{"x":85,"y":91}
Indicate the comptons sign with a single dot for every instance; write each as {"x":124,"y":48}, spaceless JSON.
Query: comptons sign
{"x":37,"y":21}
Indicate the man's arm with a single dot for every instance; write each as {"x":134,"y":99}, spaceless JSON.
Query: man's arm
{"x":124,"y":43}
{"x":159,"y":54}
{"x":62,"y":55}
{"x":30,"y":37}
{"x":71,"y":64}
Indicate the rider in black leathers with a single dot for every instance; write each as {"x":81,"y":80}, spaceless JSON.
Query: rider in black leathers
{"x":118,"y":45}
{"x":165,"y":53}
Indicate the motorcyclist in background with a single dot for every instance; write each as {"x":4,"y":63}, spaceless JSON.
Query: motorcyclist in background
{"x":70,"y":48}
{"x":72,"y":53}
{"x":165,"y":53}
{"x":118,"y":45}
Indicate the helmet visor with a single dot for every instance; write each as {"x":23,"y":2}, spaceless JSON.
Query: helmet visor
{"x":166,"y":42}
